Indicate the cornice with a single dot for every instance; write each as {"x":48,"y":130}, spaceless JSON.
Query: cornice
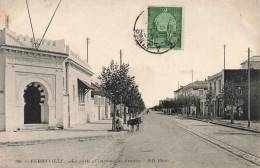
{"x":32,"y":51}
{"x":78,"y":66}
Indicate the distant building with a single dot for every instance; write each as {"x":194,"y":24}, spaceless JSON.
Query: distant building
{"x":216,"y":83}
{"x":178,"y":93}
{"x":100,"y":104}
{"x":197,"y":88}
{"x":254,"y":63}
{"x":240,"y":77}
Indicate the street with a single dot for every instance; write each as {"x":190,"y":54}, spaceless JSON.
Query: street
{"x":163,"y":141}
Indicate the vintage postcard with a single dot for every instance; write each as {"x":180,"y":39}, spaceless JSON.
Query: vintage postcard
{"x":128,"y":83}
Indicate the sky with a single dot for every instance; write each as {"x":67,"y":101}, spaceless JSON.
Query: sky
{"x":207,"y":26}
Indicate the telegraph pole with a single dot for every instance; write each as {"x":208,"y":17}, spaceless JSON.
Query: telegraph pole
{"x":7,"y":21}
{"x":121,"y":53}
{"x":224,"y":57}
{"x":192,"y":75}
{"x":223,"y":101}
{"x":248,"y":110}
{"x":87,"y":41}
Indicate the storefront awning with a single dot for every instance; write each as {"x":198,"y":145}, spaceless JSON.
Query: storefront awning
{"x":97,"y":90}
{"x":85,"y":85}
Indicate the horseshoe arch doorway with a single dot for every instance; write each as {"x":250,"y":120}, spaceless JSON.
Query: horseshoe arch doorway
{"x":35,"y":108}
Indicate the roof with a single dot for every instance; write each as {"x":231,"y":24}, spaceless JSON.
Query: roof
{"x":252,"y":59}
{"x":33,"y":49}
{"x":195,"y":85}
{"x":219,"y":74}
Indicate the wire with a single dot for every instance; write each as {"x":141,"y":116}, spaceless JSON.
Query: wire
{"x":48,"y":24}
{"x":31,"y":24}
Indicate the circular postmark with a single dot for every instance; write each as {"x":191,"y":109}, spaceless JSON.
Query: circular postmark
{"x":158,"y":30}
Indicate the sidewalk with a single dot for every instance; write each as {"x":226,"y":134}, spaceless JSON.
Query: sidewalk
{"x":239,"y":124}
{"x":96,"y":129}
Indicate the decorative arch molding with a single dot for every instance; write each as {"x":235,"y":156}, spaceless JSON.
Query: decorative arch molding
{"x":43,"y":86}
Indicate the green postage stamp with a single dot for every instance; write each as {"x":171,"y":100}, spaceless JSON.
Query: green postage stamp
{"x":164,"y":28}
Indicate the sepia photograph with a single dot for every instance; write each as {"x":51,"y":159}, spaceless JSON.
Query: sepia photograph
{"x":129,"y":84}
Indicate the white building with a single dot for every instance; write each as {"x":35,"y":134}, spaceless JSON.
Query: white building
{"x":31,"y":88}
{"x":77,"y":84}
{"x":197,"y":88}
{"x":48,"y":87}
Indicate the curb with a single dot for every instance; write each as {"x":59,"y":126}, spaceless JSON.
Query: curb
{"x":80,"y":138}
{"x":226,"y":125}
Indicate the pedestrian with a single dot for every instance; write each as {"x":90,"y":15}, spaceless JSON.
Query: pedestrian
{"x":119,"y":124}
{"x":117,"y":113}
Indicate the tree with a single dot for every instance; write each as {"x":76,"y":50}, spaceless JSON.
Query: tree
{"x":165,"y":104}
{"x":182,"y":102}
{"x":119,"y":87}
{"x":113,"y":83}
{"x":232,"y":94}
{"x":195,"y":101}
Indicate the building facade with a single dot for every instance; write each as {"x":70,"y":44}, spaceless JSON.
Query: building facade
{"x":31,"y":87}
{"x":77,"y":90}
{"x":216,"y":83}
{"x":220,"y":108}
{"x":254,"y":63}
{"x":197,"y":88}
{"x":45,"y":87}
{"x":102,"y":107}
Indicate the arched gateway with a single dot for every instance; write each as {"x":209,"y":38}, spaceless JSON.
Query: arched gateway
{"x":36,"y":107}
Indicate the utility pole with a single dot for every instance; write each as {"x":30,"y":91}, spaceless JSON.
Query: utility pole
{"x":224,"y":57}
{"x":223,"y":101}
{"x":121,"y":53}
{"x":87,"y":41}
{"x":248,"y":110}
{"x":7,"y":21}
{"x":192,"y":75}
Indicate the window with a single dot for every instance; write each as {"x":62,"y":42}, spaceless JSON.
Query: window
{"x":200,"y":92}
{"x":81,"y":92}
{"x":102,"y":100}
{"x":219,"y":83}
{"x":215,"y":87}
